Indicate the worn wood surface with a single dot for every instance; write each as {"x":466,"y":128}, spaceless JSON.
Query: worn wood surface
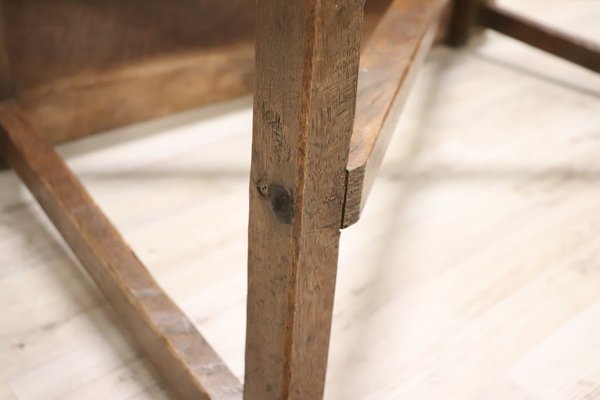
{"x":388,"y":67}
{"x":306,"y":76}
{"x":82,"y":67}
{"x":472,"y":272}
{"x":580,"y":50}
{"x":170,"y":340}
{"x":86,"y":66}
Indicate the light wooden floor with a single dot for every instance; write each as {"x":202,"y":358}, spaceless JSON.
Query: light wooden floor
{"x":474,"y":273}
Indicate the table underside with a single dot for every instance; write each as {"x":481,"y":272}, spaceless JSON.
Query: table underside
{"x":88,"y":66}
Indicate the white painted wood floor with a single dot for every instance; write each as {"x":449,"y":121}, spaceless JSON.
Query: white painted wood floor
{"x":473,"y":274}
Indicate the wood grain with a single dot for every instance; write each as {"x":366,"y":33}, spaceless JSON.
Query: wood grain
{"x":87,"y":66}
{"x":306,"y":73}
{"x":82,"y":67}
{"x":388,"y":67}
{"x":473,"y":273}
{"x":169,"y":338}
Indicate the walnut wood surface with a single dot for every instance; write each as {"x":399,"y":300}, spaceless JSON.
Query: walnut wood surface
{"x":307,"y":68}
{"x":388,"y":67}
{"x":86,"y":66}
{"x":168,"y":337}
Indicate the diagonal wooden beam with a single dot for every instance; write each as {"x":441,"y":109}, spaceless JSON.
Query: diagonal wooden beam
{"x":170,"y":340}
{"x":577,"y":50}
{"x":388,"y":67}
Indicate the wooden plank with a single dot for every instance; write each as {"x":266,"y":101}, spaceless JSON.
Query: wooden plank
{"x":87,"y":66}
{"x":578,"y":50}
{"x":169,"y":338}
{"x":94,"y":102}
{"x":307,"y":68}
{"x":388,"y":67}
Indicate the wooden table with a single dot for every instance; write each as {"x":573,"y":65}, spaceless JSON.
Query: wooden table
{"x":73,"y":68}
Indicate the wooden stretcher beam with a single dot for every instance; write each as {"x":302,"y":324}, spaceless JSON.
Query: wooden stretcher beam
{"x":571,"y":48}
{"x":388,"y":66}
{"x":169,"y":339}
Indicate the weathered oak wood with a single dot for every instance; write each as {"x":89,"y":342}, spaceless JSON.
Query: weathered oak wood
{"x":169,"y":338}
{"x":82,"y":67}
{"x":388,"y":67}
{"x":86,"y":66}
{"x":306,"y":74}
{"x":578,"y":50}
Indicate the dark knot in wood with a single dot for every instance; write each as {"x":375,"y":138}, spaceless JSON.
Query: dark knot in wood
{"x":281,"y":203}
